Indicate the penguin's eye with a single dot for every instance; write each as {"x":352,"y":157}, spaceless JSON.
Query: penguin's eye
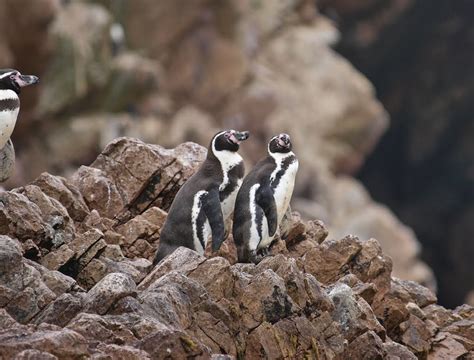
{"x":12,"y":77}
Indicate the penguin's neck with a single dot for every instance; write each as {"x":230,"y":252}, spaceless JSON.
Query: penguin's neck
{"x":227,"y":160}
{"x":279,"y":159}
{"x":9,"y":107}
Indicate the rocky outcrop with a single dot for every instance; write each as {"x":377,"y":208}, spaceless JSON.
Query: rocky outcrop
{"x":218,"y":64}
{"x":76,"y":280}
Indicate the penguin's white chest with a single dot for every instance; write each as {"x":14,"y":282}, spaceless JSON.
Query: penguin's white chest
{"x":7,"y":117}
{"x":200,"y":229}
{"x":228,"y":161}
{"x":229,"y":202}
{"x":284,"y":190}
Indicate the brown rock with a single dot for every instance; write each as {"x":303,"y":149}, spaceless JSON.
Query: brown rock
{"x":420,"y":294}
{"x":265,"y":299}
{"x":138,"y":185}
{"x":66,"y":193}
{"x":143,"y":227}
{"x":23,"y":219}
{"x":182,"y":260}
{"x":446,"y":347}
{"x":215,"y":275}
{"x":35,"y":354}
{"x":63,"y":343}
{"x":354,"y":315}
{"x":316,"y":230}
{"x":397,"y":351}
{"x":415,"y":335}
{"x":326,"y":262}
{"x":367,"y":346}
{"x":125,"y":352}
{"x":107,"y":291}
{"x":62,"y":310}
{"x":162,"y":343}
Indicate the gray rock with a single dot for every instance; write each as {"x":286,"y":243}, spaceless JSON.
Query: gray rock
{"x":106,"y":292}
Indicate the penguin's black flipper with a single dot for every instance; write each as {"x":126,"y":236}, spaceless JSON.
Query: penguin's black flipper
{"x":212,"y":208}
{"x":266,"y":201}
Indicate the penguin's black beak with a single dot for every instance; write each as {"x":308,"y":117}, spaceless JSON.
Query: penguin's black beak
{"x":242,"y":135}
{"x":25,"y":80}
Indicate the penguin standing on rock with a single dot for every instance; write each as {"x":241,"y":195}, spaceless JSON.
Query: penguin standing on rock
{"x":263,"y":199}
{"x":11,"y":82}
{"x":207,"y":199}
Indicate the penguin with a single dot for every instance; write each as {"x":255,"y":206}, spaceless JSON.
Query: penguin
{"x":263,"y":200}
{"x":11,"y":82}
{"x":206,"y":200}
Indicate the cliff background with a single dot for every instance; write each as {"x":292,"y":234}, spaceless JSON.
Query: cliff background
{"x":377,"y":96}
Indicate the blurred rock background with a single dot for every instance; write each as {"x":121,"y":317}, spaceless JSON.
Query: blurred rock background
{"x":171,"y":71}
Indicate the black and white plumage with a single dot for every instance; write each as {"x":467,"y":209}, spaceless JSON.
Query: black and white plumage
{"x":11,"y":82}
{"x":207,"y":199}
{"x":263,"y":199}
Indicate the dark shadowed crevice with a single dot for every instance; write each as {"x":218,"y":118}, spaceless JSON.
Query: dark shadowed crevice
{"x":423,"y":168}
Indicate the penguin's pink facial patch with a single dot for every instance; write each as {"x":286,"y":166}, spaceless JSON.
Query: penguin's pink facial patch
{"x":281,"y":142}
{"x":233,"y":139}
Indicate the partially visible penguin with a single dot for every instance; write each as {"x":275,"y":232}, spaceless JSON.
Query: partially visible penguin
{"x":11,"y":82}
{"x":207,"y":199}
{"x":263,"y":199}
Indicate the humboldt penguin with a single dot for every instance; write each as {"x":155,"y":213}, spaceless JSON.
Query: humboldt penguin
{"x":11,"y":82}
{"x":207,"y":199}
{"x":263,"y":199}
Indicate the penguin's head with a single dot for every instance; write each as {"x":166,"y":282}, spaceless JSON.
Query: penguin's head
{"x":11,"y":79}
{"x":280,"y":144}
{"x":228,"y":140}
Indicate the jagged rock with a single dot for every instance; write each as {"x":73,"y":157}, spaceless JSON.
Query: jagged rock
{"x":107,"y":291}
{"x":354,"y":315}
{"x":7,"y":161}
{"x":66,"y":193}
{"x":119,"y":352}
{"x":142,"y":233}
{"x":182,"y":260}
{"x":61,"y":310}
{"x":62,"y":343}
{"x":367,"y":346}
{"x":136,"y":186}
{"x":35,"y":354}
{"x":312,"y":297}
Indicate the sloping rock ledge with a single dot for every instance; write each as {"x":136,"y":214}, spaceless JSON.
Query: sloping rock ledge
{"x":76,"y":279}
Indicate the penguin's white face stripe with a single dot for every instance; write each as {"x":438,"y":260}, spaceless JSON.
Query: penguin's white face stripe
{"x":228,"y":160}
{"x":7,"y":74}
{"x":194,"y":216}
{"x":254,"y":236}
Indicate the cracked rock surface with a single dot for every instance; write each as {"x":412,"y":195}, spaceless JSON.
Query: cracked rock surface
{"x":76,"y":280}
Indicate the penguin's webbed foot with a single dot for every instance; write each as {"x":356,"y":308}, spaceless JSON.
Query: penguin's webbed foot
{"x":265,"y":251}
{"x":255,"y":257}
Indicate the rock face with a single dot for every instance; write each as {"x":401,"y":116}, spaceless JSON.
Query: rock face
{"x":429,"y":144}
{"x":76,"y":280}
